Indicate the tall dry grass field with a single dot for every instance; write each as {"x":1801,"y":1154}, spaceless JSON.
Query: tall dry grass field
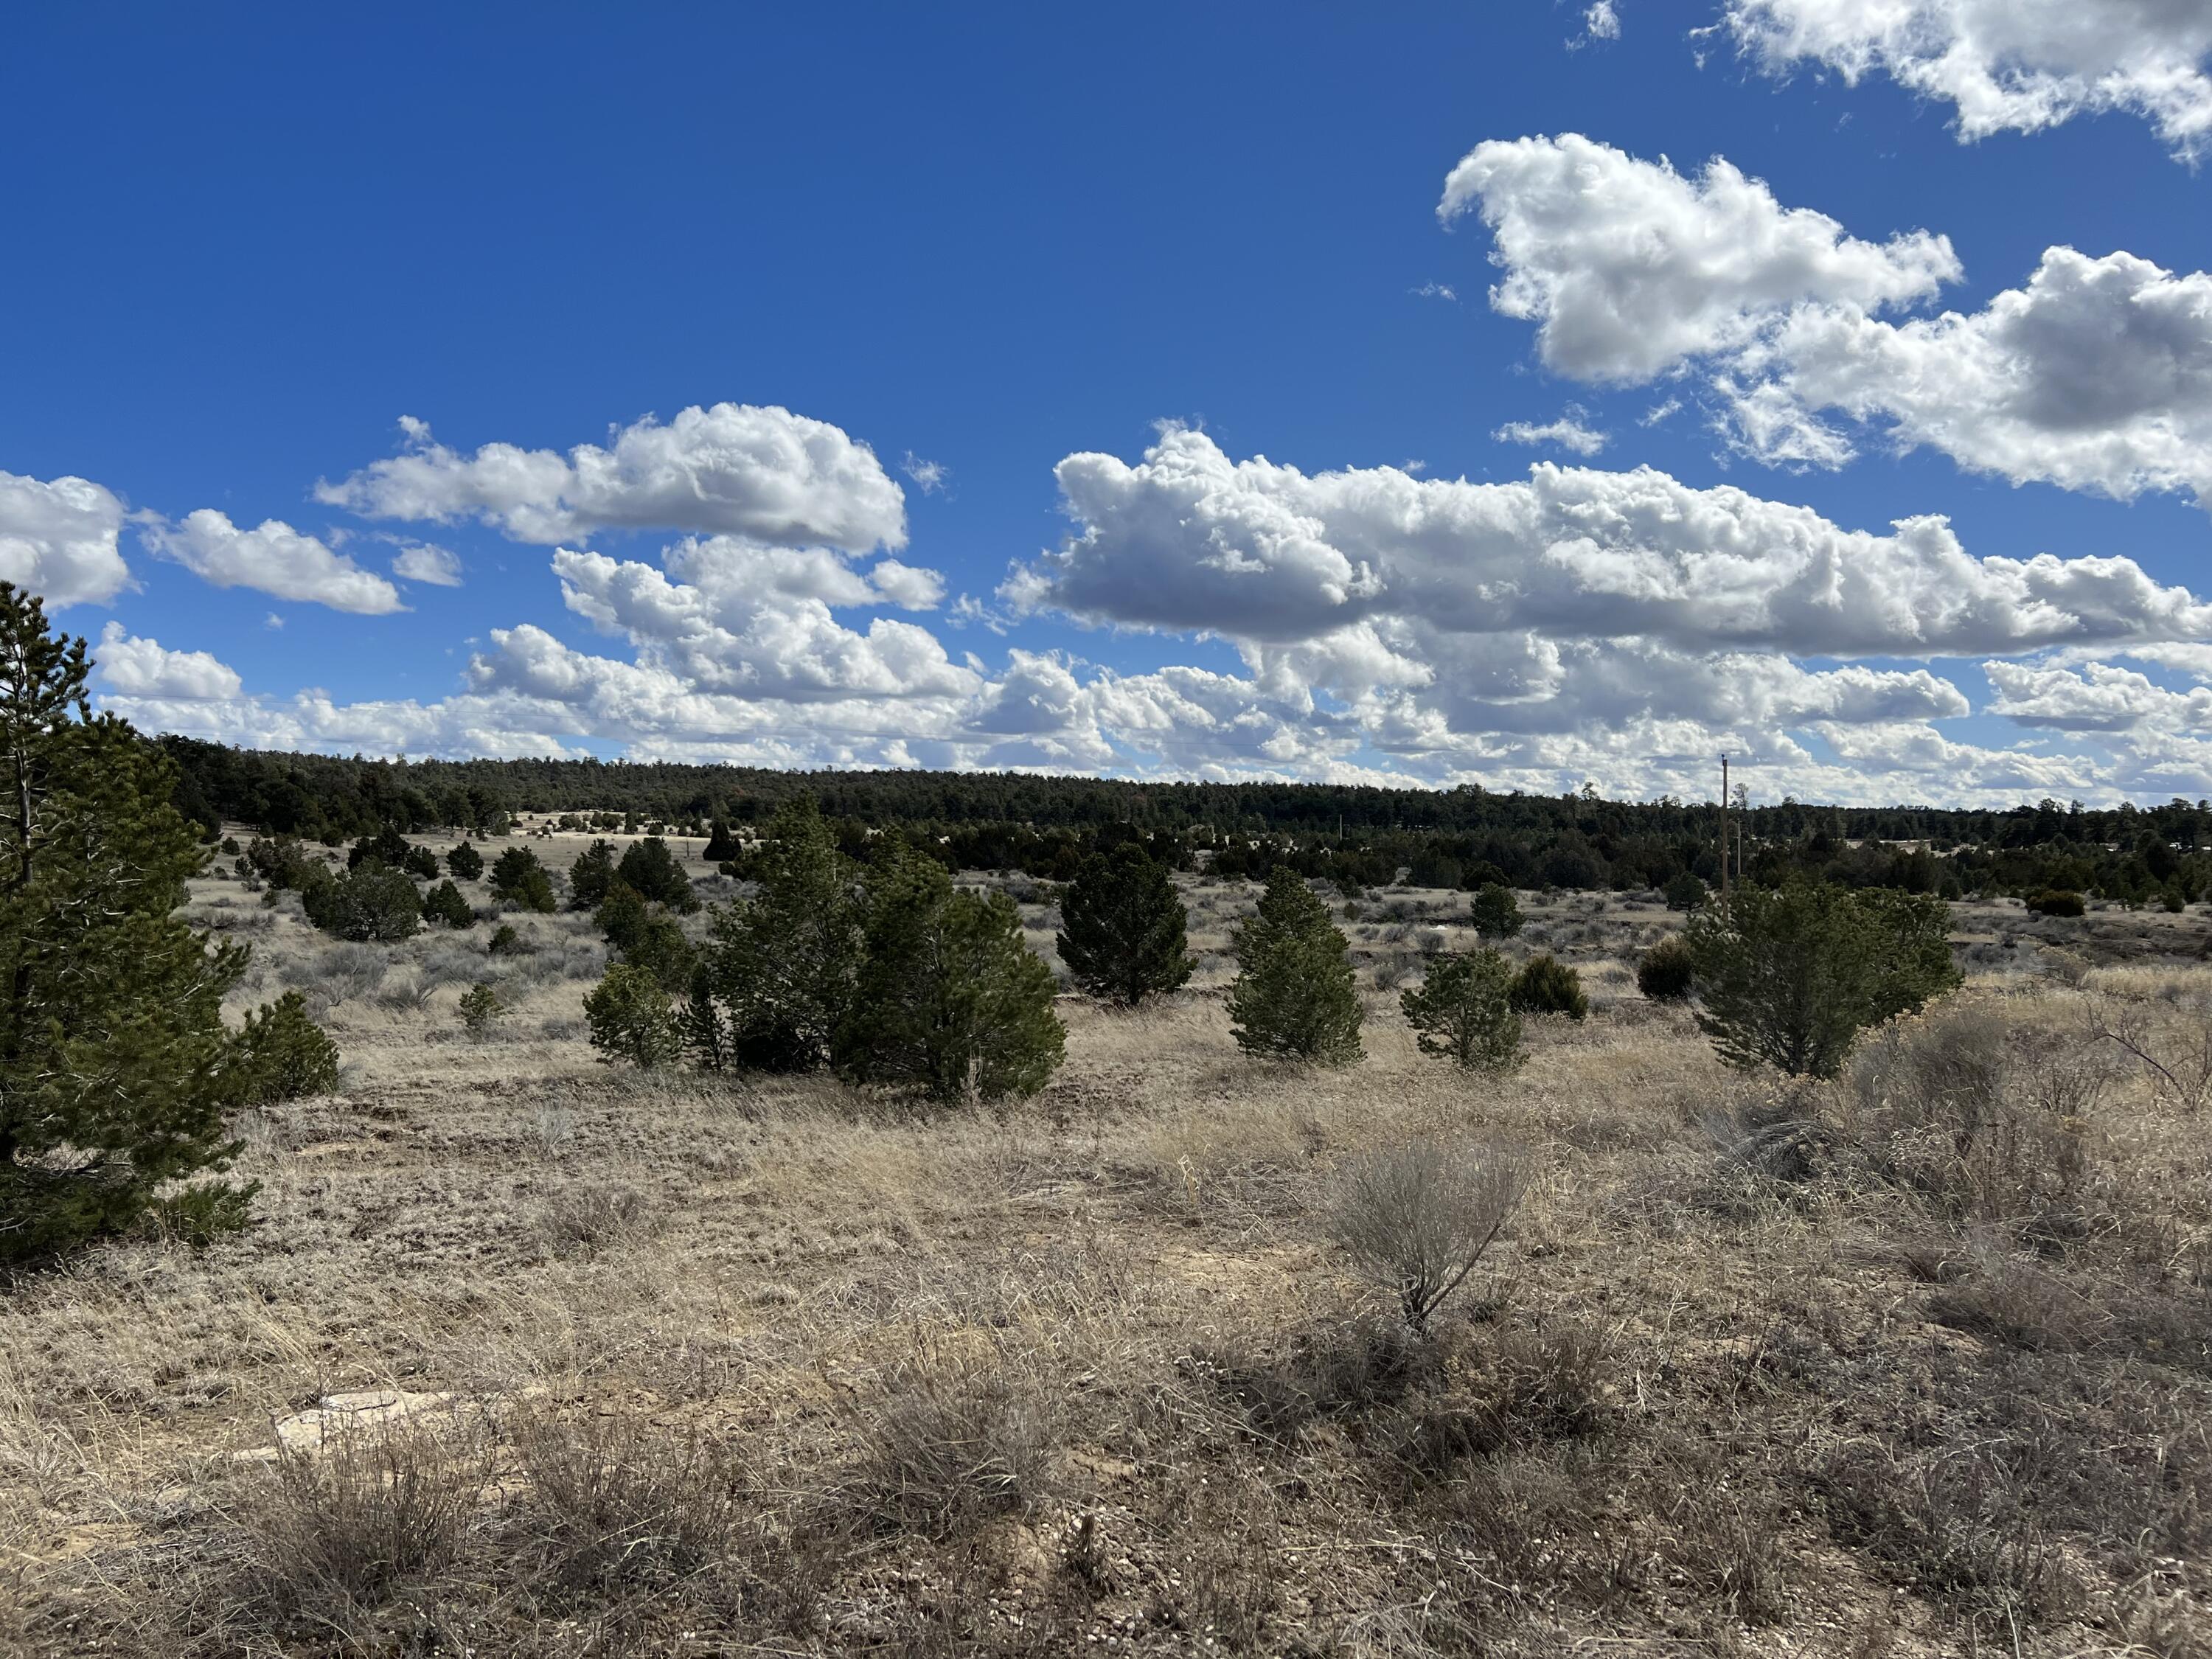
{"x":531,"y":1356}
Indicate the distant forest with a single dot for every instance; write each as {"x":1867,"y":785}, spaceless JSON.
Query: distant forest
{"x":1357,"y":836}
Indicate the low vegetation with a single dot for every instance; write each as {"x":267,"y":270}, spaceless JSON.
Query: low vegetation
{"x":1835,"y":1284}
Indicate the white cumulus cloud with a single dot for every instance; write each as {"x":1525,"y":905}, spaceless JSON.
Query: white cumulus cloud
{"x":750,"y":618}
{"x":272,"y":558}
{"x":1187,"y":539}
{"x":735,"y":469}
{"x":2007,"y":65}
{"x":2095,"y":375}
{"x":58,"y":539}
{"x":1628,"y":266}
{"x":141,"y":668}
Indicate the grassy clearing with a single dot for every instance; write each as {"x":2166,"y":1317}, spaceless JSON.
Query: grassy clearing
{"x":1919,"y":1363}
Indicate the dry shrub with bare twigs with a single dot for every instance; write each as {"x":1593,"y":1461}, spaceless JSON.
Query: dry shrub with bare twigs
{"x":1993,"y":1118}
{"x":337,"y":1532}
{"x":953,"y":1439}
{"x":615,"y":1501}
{"x":581,"y":1220}
{"x":1417,"y":1217}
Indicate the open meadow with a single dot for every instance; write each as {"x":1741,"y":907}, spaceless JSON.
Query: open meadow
{"x":532,"y":1355}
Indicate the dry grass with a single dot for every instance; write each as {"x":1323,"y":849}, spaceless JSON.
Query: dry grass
{"x":1923,"y":1360}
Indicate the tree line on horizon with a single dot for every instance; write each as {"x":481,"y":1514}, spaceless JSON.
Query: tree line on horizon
{"x":1354,"y":835}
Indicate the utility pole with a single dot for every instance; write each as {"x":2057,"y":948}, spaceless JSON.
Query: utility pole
{"x":1724,"y":828}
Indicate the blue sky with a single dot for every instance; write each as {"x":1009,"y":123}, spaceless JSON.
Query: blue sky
{"x":906,"y":265}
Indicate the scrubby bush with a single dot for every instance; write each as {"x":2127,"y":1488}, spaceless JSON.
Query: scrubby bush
{"x":1665,"y":973}
{"x":1685,"y":891}
{"x":444,"y":903}
{"x":283,"y":862}
{"x":2055,"y":901}
{"x":465,"y":862}
{"x":1788,"y":976}
{"x":1545,"y":985}
{"x":631,"y":1508}
{"x":1417,"y":1217}
{"x":591,"y":875}
{"x":370,"y":902}
{"x":950,"y":999}
{"x":1463,"y":1011}
{"x":1496,"y":913}
{"x":366,"y":1516}
{"x":1123,"y":927}
{"x":387,"y":847}
{"x":519,"y":879}
{"x":652,"y":869}
{"x":630,"y":1018}
{"x":952,"y":1441}
{"x":505,"y":942}
{"x":1995,"y":1119}
{"x":480,"y":1009}
{"x":421,"y":863}
{"x":1293,"y":996}
{"x":283,"y":1055}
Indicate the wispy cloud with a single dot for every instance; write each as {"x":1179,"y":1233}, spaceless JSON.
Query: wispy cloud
{"x":929,"y":476}
{"x":1568,"y":431}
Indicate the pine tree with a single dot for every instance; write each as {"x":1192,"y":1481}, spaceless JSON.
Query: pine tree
{"x":950,"y":999}
{"x":465,"y":862}
{"x":1294,"y":996}
{"x":630,"y":1019}
{"x":283,"y":1055}
{"x":115,"y":1070}
{"x":622,"y":916}
{"x":387,"y":847}
{"x":444,"y":903}
{"x":1666,"y":973}
{"x":650,"y":868}
{"x":518,"y":877}
{"x":1463,"y":1011}
{"x":480,"y":1008}
{"x":1788,"y":977}
{"x":369,"y":903}
{"x":590,"y":876}
{"x":705,"y":1028}
{"x":784,"y":963}
{"x":1496,"y":913}
{"x":1122,"y":933}
{"x":661,"y":950}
